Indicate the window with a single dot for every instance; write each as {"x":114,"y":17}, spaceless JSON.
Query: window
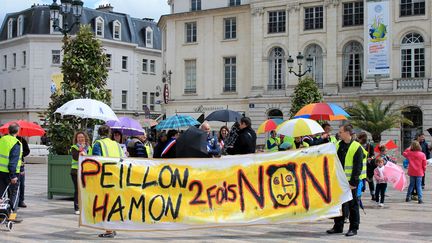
{"x":144,"y":100}
{"x":234,"y":2}
{"x":191,"y":32}
{"x":413,"y":56}
{"x":230,"y":74}
{"x":99,"y":27}
{"x":117,"y":30}
{"x":24,"y":54}
{"x":14,"y":60}
{"x":23,"y":97}
{"x":152,"y":101}
{"x":4,"y":62}
{"x":412,"y":7}
{"x":20,"y":25}
{"x":230,"y":26}
{"x":59,"y":23}
{"x":4,"y":98}
{"x":124,"y":99}
{"x":109,"y":60}
{"x":195,"y":5}
{"x":190,"y":71}
{"x":152,"y":66}
{"x":277,"y":22}
{"x":14,"y":98}
{"x":277,"y":69}
{"x":149,"y":37}
{"x":145,"y":65}
{"x":352,"y":64}
{"x":55,"y":60}
{"x":316,"y":53}
{"x":10,"y":29}
{"x":124,"y":62}
{"x":314,"y":18}
{"x":353,"y":14}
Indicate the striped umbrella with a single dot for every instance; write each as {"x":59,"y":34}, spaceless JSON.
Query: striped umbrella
{"x":322,"y":111}
{"x":269,"y":125}
{"x":177,"y":121}
{"x":299,"y":127}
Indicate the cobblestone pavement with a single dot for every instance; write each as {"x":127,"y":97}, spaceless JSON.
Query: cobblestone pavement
{"x":53,"y":221}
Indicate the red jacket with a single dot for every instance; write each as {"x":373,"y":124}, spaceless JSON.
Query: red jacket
{"x":417,"y":162}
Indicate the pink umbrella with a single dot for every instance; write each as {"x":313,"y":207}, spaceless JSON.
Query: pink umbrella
{"x":395,"y":175}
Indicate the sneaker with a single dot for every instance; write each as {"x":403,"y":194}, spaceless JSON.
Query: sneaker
{"x":22,"y":205}
{"x":373,"y":198}
{"x":407,"y":199}
{"x":111,"y":234}
{"x":77,"y":212}
{"x":420,"y":201}
{"x":381,"y":205}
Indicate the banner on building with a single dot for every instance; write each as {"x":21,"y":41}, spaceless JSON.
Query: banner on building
{"x":177,"y":194}
{"x":377,"y":38}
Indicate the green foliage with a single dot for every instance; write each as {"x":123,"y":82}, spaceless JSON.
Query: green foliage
{"x":85,"y":73}
{"x":375,"y":117}
{"x":305,"y":93}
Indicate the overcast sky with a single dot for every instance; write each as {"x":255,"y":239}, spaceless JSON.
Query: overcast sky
{"x":135,"y":8}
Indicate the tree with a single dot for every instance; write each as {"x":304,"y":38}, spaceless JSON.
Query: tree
{"x":84,"y":69}
{"x":305,"y":93}
{"x":375,"y":118}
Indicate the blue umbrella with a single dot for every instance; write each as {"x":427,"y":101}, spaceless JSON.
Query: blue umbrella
{"x":177,"y":121}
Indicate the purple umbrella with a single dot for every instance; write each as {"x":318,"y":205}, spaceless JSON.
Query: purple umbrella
{"x":127,"y":126}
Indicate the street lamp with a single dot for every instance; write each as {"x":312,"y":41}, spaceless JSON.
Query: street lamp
{"x":300,"y":58}
{"x":66,"y":8}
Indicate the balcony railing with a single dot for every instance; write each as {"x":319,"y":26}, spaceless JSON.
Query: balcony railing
{"x":190,"y":90}
{"x":411,"y":84}
{"x":280,"y":86}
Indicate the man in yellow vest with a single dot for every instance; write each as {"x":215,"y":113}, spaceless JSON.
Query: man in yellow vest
{"x":351,"y":156}
{"x":273,"y":142}
{"x":10,"y":163}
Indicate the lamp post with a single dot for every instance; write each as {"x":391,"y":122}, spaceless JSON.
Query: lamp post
{"x":65,"y":9}
{"x":300,"y":58}
{"x":166,"y":80}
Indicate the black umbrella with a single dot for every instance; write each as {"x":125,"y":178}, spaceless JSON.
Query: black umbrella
{"x":192,"y":144}
{"x":224,"y":116}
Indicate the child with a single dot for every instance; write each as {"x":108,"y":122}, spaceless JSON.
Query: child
{"x":381,"y":181}
{"x":384,"y":156}
{"x":416,"y":169}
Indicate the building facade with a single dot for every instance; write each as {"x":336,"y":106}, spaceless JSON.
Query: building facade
{"x":211,"y":69}
{"x":31,"y":55}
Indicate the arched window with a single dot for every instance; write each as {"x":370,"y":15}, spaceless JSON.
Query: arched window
{"x":352,"y":64}
{"x":317,"y":65}
{"x":149,"y":37}
{"x":20,"y":25}
{"x":116,"y":30}
{"x":99,"y":27}
{"x":412,"y":56}
{"x":10,"y":28}
{"x":275,"y":114}
{"x":277,"y":69}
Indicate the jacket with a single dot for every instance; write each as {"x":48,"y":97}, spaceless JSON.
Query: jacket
{"x":136,"y":148}
{"x":379,"y":179}
{"x":213,"y":147}
{"x":245,"y":142}
{"x":417,"y":162}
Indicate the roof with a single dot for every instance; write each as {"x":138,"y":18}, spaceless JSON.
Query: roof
{"x":37,"y":20}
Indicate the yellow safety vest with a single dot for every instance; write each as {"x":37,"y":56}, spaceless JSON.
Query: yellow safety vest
{"x":149,"y":150}
{"x":272,"y":141}
{"x":293,"y":145}
{"x":333,"y":139}
{"x":110,"y":148}
{"x":6,"y":144}
{"x":74,"y":164}
{"x":349,"y":159}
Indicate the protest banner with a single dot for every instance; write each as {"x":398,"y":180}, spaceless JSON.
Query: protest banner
{"x":178,"y":194}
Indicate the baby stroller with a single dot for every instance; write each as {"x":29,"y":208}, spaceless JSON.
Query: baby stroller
{"x":7,"y":215}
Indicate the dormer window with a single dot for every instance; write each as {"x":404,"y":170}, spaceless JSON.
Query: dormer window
{"x":99,"y":27}
{"x":117,"y":30}
{"x":20,"y":25}
{"x":10,"y":29}
{"x":149,"y":37}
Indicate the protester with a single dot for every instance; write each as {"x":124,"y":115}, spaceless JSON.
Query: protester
{"x":384,"y":156}
{"x":273,"y":142}
{"x":136,"y":147}
{"x":351,"y":155}
{"x":286,"y":143}
{"x":213,"y":147}
{"x":118,"y":137}
{"x":106,"y":147}
{"x":160,"y":145}
{"x":25,"y":153}
{"x":381,"y":182}
{"x":416,"y":169}
{"x":425,"y":148}
{"x":222,"y":136}
{"x":325,"y":137}
{"x":370,"y":163}
{"x":170,"y":148}
{"x":10,"y":164}
{"x":299,"y":143}
{"x":80,"y":147}
{"x":232,"y":136}
{"x":246,"y":140}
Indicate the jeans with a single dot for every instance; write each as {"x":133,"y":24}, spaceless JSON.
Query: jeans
{"x":22,"y":188}
{"x":350,"y":208}
{"x":415,"y":182}
{"x":380,"y":191}
{"x":75,"y":182}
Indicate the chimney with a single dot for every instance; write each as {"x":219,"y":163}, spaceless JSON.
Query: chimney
{"x":105,"y":8}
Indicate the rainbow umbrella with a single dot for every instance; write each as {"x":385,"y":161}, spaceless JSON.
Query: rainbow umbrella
{"x":269,"y":125}
{"x":322,"y":111}
{"x":299,"y":127}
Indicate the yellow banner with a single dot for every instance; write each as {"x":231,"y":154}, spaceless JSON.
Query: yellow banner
{"x":146,"y":194}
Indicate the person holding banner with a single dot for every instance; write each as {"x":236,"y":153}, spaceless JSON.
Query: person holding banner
{"x":351,"y":156}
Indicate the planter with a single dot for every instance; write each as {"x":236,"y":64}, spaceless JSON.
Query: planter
{"x":59,"y":179}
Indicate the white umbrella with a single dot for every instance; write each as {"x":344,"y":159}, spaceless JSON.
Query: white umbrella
{"x":299,"y":127}
{"x":87,"y":108}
